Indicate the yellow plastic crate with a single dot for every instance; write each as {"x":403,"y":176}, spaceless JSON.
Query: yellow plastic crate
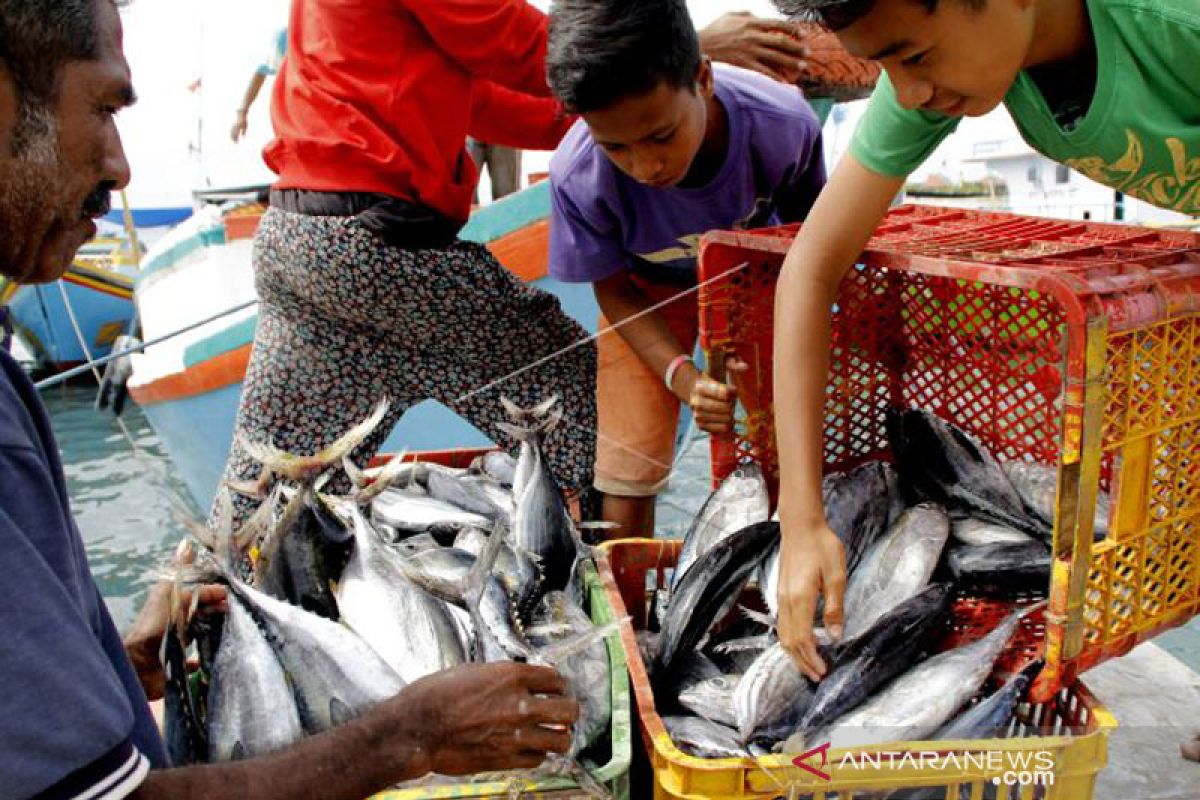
{"x":1071,"y":344}
{"x":1057,"y":748}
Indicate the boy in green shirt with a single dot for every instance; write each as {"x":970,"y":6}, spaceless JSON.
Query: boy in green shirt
{"x":1108,"y":87}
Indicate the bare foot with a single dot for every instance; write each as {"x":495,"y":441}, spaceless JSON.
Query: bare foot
{"x":1191,"y":749}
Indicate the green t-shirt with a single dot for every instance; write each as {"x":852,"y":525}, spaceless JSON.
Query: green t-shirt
{"x":1141,"y":134}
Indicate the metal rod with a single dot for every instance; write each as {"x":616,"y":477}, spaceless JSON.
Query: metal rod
{"x":99,"y":362}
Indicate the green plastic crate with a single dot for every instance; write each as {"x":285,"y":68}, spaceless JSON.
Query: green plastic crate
{"x":614,"y":775}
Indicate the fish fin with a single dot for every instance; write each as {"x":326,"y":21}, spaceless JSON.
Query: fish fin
{"x":260,"y":522}
{"x":558,"y":652}
{"x":757,"y":616}
{"x":597,"y":525}
{"x":744,"y":645}
{"x":551,"y":422}
{"x":339,"y":712}
{"x":352,"y":438}
{"x":256,"y":489}
{"x":332,"y":525}
{"x":306,"y":468}
{"x":514,"y":411}
{"x":223,"y":513}
{"x":358,"y":479}
{"x":564,"y":765}
{"x":389,"y":475}
{"x":517,"y":432}
{"x":483,"y":566}
{"x":543,"y":408}
{"x":1029,"y":673}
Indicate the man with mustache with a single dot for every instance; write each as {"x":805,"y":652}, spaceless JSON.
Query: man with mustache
{"x":74,"y":717}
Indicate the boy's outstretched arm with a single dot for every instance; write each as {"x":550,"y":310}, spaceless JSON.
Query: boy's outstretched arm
{"x":812,"y":559}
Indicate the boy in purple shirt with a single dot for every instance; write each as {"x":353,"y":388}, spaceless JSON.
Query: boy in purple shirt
{"x":668,"y":148}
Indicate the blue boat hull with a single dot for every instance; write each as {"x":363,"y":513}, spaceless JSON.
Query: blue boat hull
{"x":41,"y":315}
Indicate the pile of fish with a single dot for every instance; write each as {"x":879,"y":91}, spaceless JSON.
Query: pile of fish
{"x":948,"y":520}
{"x":337,"y":602}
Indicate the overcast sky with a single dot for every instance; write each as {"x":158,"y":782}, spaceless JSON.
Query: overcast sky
{"x":173,"y":43}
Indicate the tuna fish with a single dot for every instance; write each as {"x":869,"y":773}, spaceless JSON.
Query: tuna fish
{"x":1037,"y":484}
{"x":586,"y":671}
{"x":541,"y":525}
{"x":857,"y":507}
{"x":771,"y":697}
{"x":897,"y":567}
{"x":471,"y":493}
{"x":702,"y":738}
{"x":945,"y":464}
{"x":407,"y":512}
{"x":411,"y":630}
{"x":973,"y":531}
{"x":251,"y":710}
{"x":921,"y":700}
{"x":711,"y":698}
{"x":499,"y":466}
{"x":440,"y":571}
{"x":860,"y":666}
{"x":184,"y":733}
{"x":740,"y":500}
{"x":991,"y":716}
{"x":987,"y":719}
{"x":1001,"y":569}
{"x":335,"y":675}
{"x":708,"y":590}
{"x":499,"y":634}
{"x":540,"y":417}
{"x":520,"y":574}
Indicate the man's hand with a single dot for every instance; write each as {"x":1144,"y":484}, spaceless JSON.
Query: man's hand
{"x":240,"y":124}
{"x":812,"y":561}
{"x":771,"y":47}
{"x":712,"y":402}
{"x":144,"y":639}
{"x":488,"y":717}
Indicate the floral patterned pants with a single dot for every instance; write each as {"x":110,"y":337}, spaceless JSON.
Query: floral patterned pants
{"x":346,"y":319}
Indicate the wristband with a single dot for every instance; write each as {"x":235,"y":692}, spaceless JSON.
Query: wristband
{"x":673,"y":367}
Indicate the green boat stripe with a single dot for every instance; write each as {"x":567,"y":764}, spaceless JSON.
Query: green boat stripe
{"x":219,"y":343}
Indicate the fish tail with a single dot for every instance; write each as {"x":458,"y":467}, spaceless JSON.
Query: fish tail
{"x":365,"y":491}
{"x":306,"y":468}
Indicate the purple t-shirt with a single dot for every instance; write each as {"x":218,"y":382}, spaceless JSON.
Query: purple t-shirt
{"x":602,"y":221}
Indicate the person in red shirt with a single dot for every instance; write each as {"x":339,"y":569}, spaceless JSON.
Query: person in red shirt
{"x":365,"y":289}
{"x":366,"y":292}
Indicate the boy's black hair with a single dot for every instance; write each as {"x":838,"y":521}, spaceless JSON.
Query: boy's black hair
{"x":839,"y":14}
{"x":600,"y":51}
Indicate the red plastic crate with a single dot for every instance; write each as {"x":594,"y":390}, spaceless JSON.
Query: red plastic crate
{"x":1074,"y":344}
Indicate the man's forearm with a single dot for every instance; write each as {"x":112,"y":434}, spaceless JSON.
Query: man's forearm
{"x":252,"y":90}
{"x":350,"y":762}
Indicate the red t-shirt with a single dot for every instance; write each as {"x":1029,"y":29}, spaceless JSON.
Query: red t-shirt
{"x":380,"y":95}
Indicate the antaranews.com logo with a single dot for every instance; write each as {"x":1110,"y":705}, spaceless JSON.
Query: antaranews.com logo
{"x":1009,"y":768}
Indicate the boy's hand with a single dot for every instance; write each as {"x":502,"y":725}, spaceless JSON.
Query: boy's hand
{"x":712,"y":402}
{"x":771,"y":47}
{"x":812,"y":560}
